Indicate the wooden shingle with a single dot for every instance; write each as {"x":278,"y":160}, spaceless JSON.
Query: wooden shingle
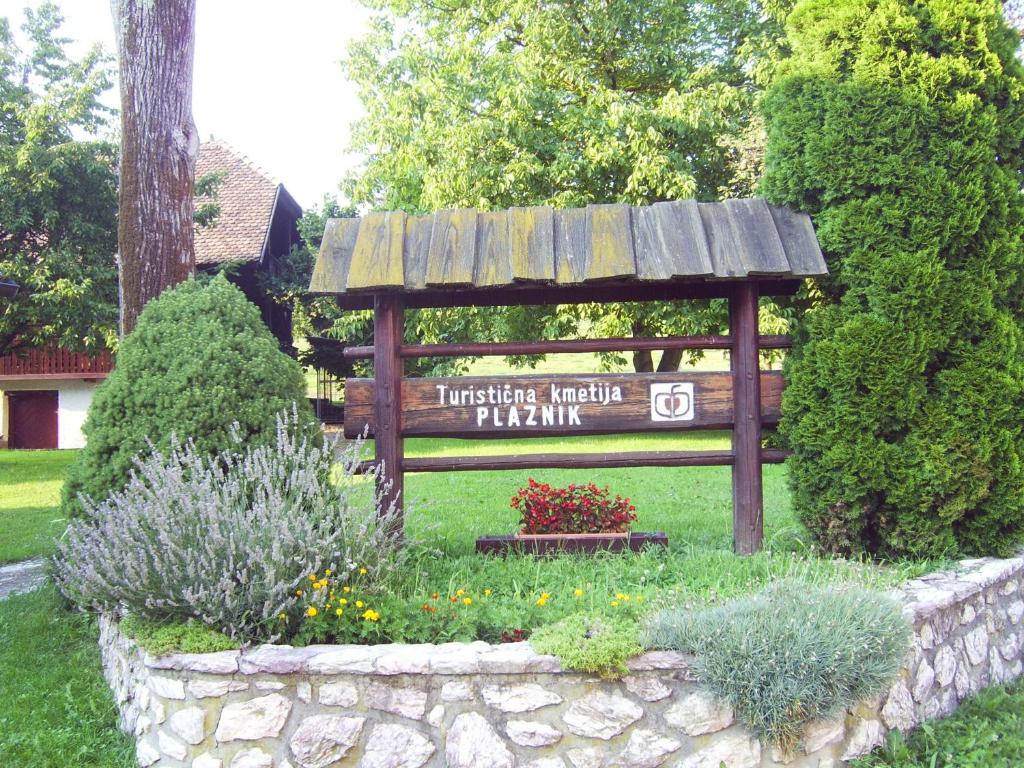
{"x":466,"y":250}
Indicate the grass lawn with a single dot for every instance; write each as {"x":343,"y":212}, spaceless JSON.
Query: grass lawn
{"x":56,"y":710}
{"x":29,"y":518}
{"x":693,"y":505}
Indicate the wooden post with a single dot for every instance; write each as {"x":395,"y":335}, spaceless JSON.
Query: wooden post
{"x":747,"y":501}
{"x":388,"y":326}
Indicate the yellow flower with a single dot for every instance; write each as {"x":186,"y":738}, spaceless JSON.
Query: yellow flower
{"x":343,"y":601}
{"x":467,"y":600}
{"x":615,"y":603}
{"x":359,"y":603}
{"x":346,"y":589}
{"x":298,"y":593}
{"x":311,"y":611}
{"x":371,"y":615}
{"x":283,"y":617}
{"x":339,"y":612}
{"x":487,"y":593}
{"x":578,"y":593}
{"x":459,"y":593}
{"x":363,"y":571}
{"x":312,"y":577}
{"x":543,"y":599}
{"x":620,"y":596}
{"x":327,"y":572}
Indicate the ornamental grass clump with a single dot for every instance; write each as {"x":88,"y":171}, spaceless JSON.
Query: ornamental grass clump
{"x":229,"y":539}
{"x":791,"y":654}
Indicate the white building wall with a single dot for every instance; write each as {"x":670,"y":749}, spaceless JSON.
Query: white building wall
{"x":73,"y":401}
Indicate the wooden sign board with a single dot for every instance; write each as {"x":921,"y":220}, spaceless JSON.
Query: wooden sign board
{"x":565,"y":404}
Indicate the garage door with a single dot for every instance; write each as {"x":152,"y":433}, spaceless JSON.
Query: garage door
{"x":33,"y":419}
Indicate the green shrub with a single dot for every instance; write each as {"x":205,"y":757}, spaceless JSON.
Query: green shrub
{"x":230,"y":539}
{"x":590,"y":643}
{"x":790,"y":655}
{"x":898,"y":127}
{"x":199,"y":360}
{"x":160,"y":639}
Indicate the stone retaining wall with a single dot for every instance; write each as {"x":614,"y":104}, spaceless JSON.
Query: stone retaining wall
{"x":476,"y":705}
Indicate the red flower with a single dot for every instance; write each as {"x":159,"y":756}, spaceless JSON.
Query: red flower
{"x":576,"y":509}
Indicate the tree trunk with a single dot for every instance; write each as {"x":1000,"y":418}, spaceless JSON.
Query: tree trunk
{"x":670,"y":360}
{"x":643,"y":360}
{"x":159,"y":145}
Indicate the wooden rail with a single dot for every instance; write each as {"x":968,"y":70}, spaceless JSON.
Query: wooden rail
{"x":575,"y":461}
{"x":508,"y":348}
{"x":56,"y":364}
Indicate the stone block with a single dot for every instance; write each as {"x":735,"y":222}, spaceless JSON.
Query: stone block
{"x":473,"y":743}
{"x":601,"y":715}
{"x":259,"y":718}
{"x":865,"y":735}
{"x":645,"y":749}
{"x":407,"y":702}
{"x":207,"y":689}
{"x":253,"y":757}
{"x":340,"y":694}
{"x":189,"y":724}
{"x":736,"y":750}
{"x":527,"y":733}
{"x":321,"y":740}
{"x":698,"y":713}
{"x":649,"y":689}
{"x":518,"y":698}
{"x":396,"y":746}
{"x":822,"y":733}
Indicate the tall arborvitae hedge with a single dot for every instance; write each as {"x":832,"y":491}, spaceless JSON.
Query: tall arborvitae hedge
{"x":898,"y":126}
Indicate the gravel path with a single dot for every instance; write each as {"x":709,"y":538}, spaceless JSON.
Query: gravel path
{"x":21,"y":577}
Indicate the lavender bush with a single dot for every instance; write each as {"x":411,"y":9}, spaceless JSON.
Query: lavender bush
{"x":230,"y":539}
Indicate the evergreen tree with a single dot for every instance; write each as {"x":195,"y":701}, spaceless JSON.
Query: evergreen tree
{"x":898,"y":126}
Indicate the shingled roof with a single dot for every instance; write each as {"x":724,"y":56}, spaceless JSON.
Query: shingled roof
{"x":247,"y":198}
{"x":466,"y":250}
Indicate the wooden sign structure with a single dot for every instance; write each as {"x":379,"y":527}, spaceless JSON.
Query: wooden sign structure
{"x":738,"y":250}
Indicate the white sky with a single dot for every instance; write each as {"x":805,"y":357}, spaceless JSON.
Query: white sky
{"x":267,"y":80}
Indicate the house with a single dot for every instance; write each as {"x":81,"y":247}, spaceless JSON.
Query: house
{"x":255,"y":229}
{"x":44,"y":396}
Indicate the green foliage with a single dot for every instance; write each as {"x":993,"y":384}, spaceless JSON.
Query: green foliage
{"x":590,"y":643}
{"x":181,"y":637}
{"x":58,"y":229}
{"x":199,"y":359}
{"x":790,"y":655}
{"x":498,"y":104}
{"x":987,"y":731}
{"x":56,"y":709}
{"x":899,"y":127}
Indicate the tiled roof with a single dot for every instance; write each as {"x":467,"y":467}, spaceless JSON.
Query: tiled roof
{"x":246,"y":197}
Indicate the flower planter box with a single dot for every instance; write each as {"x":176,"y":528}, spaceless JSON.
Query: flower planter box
{"x":542,"y":543}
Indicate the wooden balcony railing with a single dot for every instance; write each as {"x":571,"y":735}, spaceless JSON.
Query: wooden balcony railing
{"x":56,"y":364}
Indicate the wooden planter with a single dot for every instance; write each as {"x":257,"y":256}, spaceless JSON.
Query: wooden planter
{"x":542,"y":543}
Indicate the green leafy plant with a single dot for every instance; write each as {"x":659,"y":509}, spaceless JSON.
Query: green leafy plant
{"x":590,"y":643}
{"x":791,"y":654}
{"x":900,"y":133}
{"x":987,"y":731}
{"x":160,"y":639}
{"x":199,"y":361}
